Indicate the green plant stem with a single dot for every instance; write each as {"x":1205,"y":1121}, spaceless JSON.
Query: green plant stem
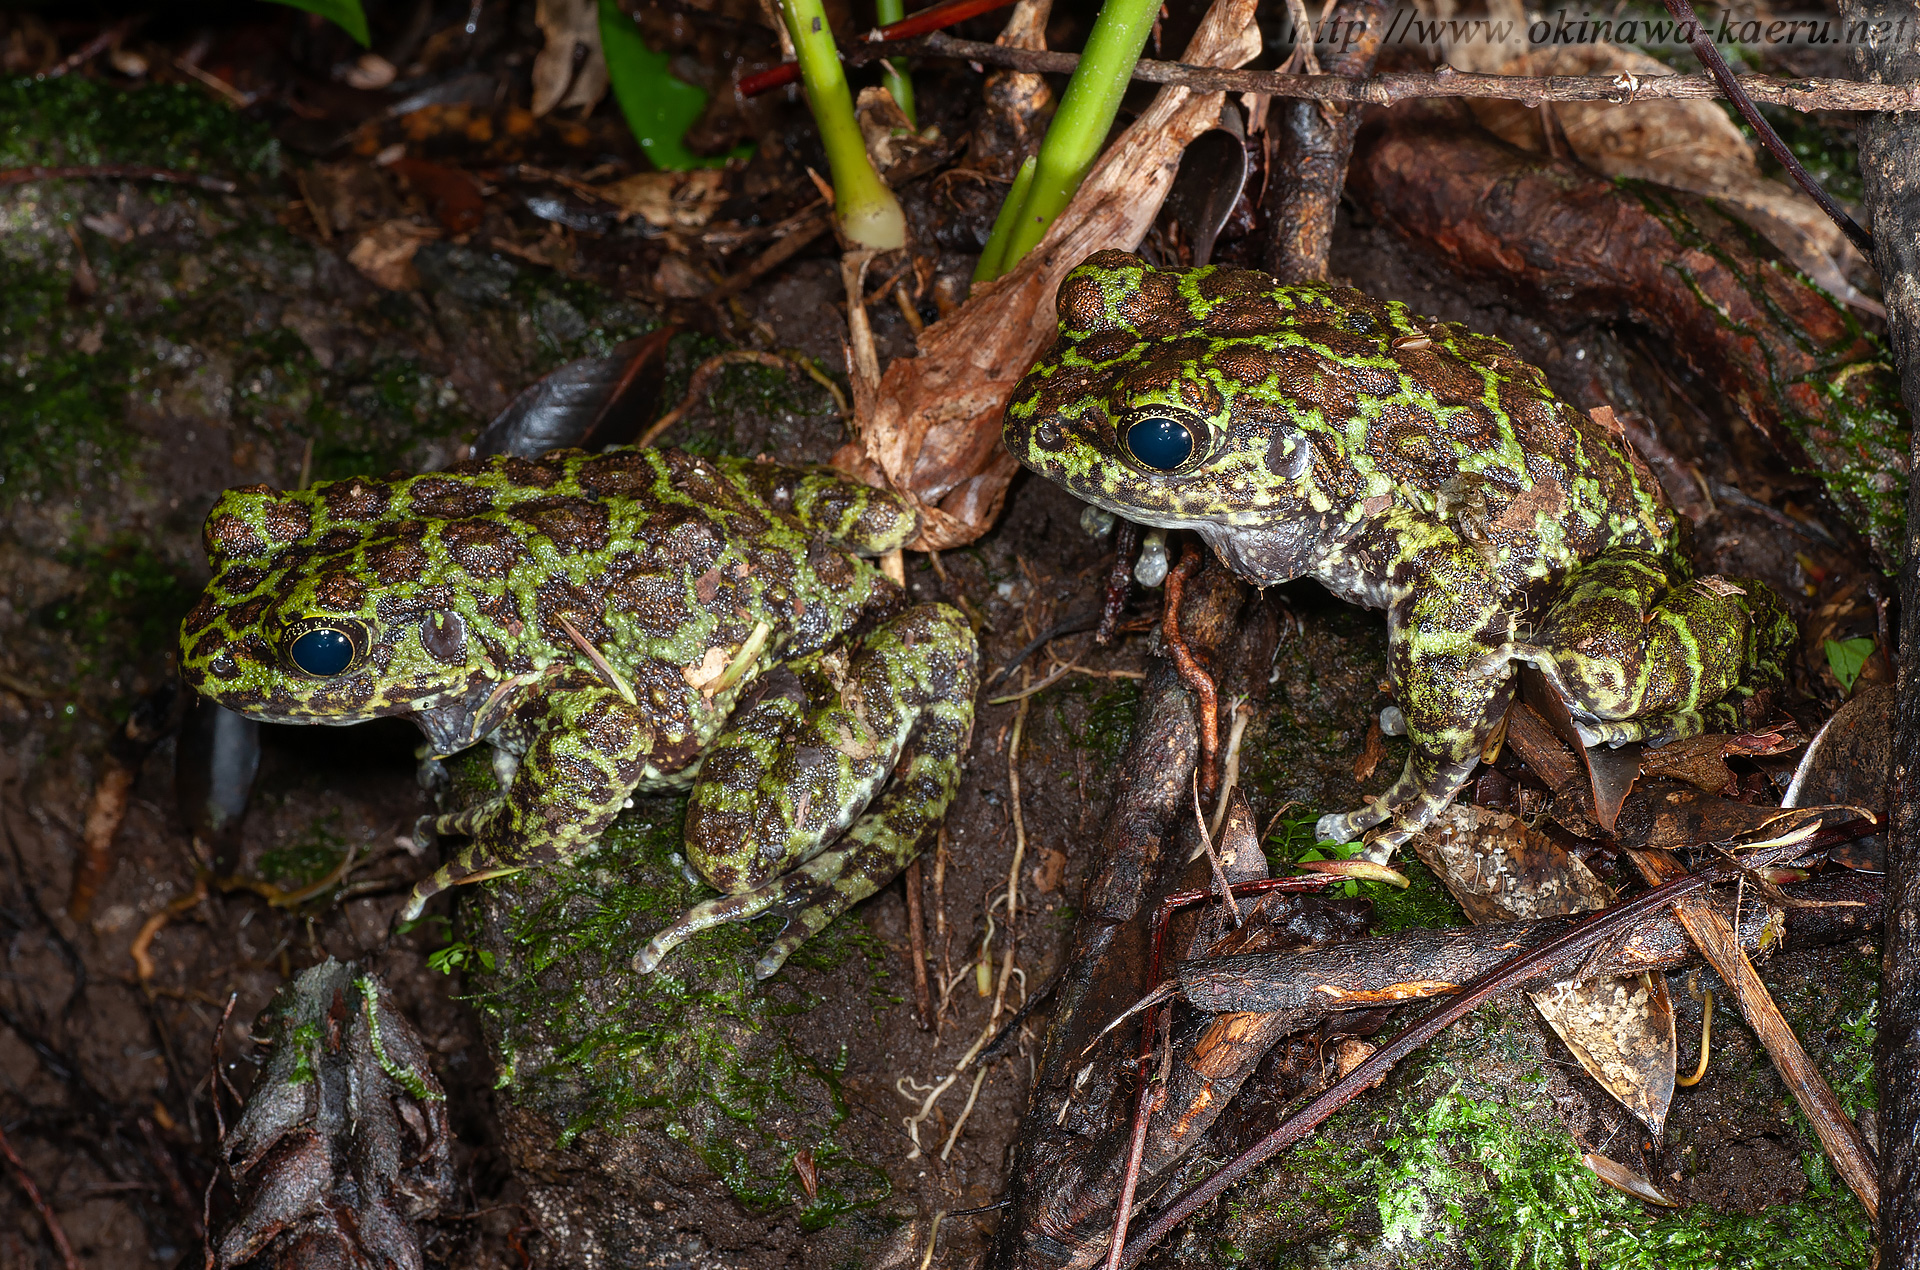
{"x":886,"y":13}
{"x":868,"y":213}
{"x":1080,"y":126}
{"x":988,"y":266}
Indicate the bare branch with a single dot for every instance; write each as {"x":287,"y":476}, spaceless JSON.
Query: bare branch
{"x":1387,"y":89}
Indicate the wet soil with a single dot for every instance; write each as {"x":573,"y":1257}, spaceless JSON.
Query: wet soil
{"x":252,"y":351}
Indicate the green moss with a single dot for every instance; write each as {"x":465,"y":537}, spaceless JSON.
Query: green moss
{"x":405,"y":1077}
{"x":73,"y":120}
{"x":1110,"y":718}
{"x":63,"y":380}
{"x":305,"y":1040}
{"x":306,"y":859}
{"x":1460,"y":1170}
{"x":696,"y":1049}
{"x":747,"y":406}
{"x":1863,"y":435}
{"x":124,"y":607}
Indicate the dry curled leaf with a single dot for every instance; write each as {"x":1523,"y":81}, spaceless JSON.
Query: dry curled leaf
{"x":570,"y":69}
{"x":1689,"y":145}
{"x":1620,"y":1028}
{"x":669,"y":200}
{"x":385,"y":253}
{"x":930,"y":426}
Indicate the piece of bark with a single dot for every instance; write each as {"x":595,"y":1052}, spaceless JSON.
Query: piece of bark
{"x":1712,"y":932}
{"x":1892,"y":197}
{"x":1079,"y":1102}
{"x":1418,"y":963}
{"x":1014,"y":104}
{"x":1785,"y":355}
{"x":1309,"y":144}
{"x":344,"y":1142}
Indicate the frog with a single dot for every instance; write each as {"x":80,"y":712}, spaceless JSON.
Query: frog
{"x":1409,"y":465}
{"x":611,"y":624}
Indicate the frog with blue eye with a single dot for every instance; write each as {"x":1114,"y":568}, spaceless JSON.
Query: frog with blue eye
{"x":636,"y":620}
{"x":1409,"y":465}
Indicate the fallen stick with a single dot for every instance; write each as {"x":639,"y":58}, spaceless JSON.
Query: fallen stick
{"x":1556,"y":959}
{"x":1712,"y":932}
{"x":1309,"y":984}
{"x":40,"y":1205}
{"x":1387,"y":89}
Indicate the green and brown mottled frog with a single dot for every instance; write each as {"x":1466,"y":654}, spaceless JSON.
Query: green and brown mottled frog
{"x":634,"y":620}
{"x":1409,"y":465}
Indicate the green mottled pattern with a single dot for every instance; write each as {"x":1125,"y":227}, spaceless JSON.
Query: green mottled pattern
{"x":1410,"y":465}
{"x":629,"y":620}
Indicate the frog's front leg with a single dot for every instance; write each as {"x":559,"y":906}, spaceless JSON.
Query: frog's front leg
{"x":795,"y":768}
{"x":587,"y":748}
{"x":1453,"y":680}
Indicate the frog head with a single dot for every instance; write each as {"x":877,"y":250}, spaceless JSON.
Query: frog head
{"x":329,"y":605}
{"x":1151,"y":401}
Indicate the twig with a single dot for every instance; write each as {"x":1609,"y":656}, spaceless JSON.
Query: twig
{"x":1387,"y":89}
{"x":1197,"y":680}
{"x":93,"y":48}
{"x":116,"y":172}
{"x":1213,"y":856}
{"x":972,"y":1095}
{"x":929,"y":19}
{"x":1072,"y":624}
{"x":1718,"y":944}
{"x":1113,"y":601}
{"x":1709,"y":54}
{"x":143,"y":967}
{"x":1585,"y":937}
{"x":917,"y":943}
{"x":25,"y":1180}
{"x":1019,"y":856}
{"x":703,"y":375}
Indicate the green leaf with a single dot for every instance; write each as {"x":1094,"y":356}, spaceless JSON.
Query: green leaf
{"x":658,"y":107}
{"x":1845,"y":657}
{"x":345,"y":14}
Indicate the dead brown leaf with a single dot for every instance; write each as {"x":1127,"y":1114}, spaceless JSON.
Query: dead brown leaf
{"x":1689,"y":145}
{"x":570,"y":69}
{"x":1051,"y":869}
{"x":1374,"y":751}
{"x":930,"y":426}
{"x":1697,"y":760}
{"x":1620,"y":1028}
{"x":385,"y":253}
{"x":669,"y":200}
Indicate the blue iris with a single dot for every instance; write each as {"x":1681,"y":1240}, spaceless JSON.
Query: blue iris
{"x":1159,"y":443}
{"x":322,"y":653}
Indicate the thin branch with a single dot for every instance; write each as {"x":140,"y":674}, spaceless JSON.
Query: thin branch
{"x":116,"y":172}
{"x":1710,"y":57}
{"x":1620,"y":88}
{"x":54,"y":1230}
{"x":1521,"y":968}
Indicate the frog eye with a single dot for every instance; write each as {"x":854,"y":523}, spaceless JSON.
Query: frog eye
{"x":1158,"y":442}
{"x":326,"y":648}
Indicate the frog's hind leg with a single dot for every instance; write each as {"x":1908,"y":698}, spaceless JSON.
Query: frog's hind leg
{"x":789,"y":775}
{"x":866,"y":520}
{"x":1636,"y":658}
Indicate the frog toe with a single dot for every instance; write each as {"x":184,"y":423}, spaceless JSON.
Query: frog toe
{"x":704,"y":916}
{"x":1346,"y":826}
